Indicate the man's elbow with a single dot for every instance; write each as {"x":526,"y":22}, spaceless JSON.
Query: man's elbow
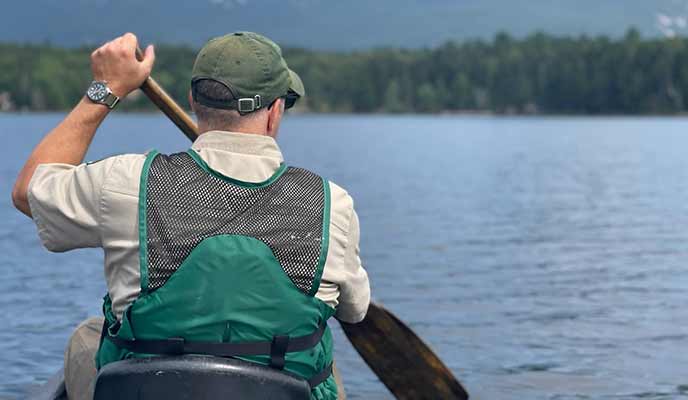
{"x":353,"y":313}
{"x":20,"y":198}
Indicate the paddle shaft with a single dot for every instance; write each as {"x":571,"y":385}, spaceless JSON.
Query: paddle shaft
{"x":168,"y":106}
{"x":402,"y":361}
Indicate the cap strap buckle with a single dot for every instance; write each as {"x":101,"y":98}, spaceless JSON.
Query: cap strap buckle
{"x":248,"y":104}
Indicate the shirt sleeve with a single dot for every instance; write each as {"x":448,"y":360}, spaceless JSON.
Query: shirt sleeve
{"x":354,"y":287}
{"x":65,"y":204}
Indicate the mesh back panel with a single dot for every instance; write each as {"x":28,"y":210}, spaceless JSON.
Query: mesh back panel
{"x":186,"y":204}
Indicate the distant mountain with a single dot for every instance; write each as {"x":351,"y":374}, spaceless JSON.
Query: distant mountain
{"x":331,"y":24}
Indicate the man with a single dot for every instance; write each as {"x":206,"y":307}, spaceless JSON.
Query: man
{"x":274,"y":248}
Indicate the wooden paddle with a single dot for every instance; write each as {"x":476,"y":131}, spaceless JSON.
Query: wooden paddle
{"x":167,"y":105}
{"x":402,"y":361}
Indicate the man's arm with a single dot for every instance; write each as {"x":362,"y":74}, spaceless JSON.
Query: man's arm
{"x":115,"y":63}
{"x":66,"y":144}
{"x":354,"y":296}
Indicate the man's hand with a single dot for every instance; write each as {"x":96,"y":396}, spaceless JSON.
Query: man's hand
{"x":115,"y":63}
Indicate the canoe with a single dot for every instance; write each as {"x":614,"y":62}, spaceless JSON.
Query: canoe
{"x":185,"y":377}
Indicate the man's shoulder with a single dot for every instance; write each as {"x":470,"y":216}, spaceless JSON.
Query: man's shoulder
{"x":127,"y":157}
{"x":124,"y":172}
{"x":339,"y":192}
{"x":96,"y":171}
{"x":117,"y":162}
{"x":123,"y":163}
{"x":341,"y":206}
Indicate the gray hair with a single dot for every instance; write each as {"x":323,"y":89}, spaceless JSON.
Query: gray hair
{"x":217,"y":118}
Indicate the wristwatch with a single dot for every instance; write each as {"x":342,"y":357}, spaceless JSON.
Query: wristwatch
{"x":100,"y":93}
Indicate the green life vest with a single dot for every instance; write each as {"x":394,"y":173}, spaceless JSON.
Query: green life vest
{"x":231,"y":266}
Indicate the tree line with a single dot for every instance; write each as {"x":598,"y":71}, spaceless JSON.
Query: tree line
{"x":537,"y":74}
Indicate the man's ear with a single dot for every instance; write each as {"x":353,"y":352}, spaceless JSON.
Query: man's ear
{"x":275,"y":117}
{"x":190,"y":100}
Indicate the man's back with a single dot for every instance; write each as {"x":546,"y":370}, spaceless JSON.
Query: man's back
{"x":106,"y":215}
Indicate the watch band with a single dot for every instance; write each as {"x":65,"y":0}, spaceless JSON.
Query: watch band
{"x":110,"y":100}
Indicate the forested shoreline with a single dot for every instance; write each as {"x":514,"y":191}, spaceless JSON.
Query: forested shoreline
{"x":538,"y":74}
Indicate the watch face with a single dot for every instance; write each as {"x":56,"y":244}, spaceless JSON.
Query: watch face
{"x":97,"y":91}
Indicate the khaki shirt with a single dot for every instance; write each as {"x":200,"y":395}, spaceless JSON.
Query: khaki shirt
{"x":96,"y":205}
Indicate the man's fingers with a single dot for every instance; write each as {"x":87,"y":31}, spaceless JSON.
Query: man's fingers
{"x":148,"y":58}
{"x":99,"y":51}
{"x":116,"y":63}
{"x":129,"y":40}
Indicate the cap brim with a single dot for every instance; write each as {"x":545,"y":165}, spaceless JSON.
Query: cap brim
{"x":296,"y":84}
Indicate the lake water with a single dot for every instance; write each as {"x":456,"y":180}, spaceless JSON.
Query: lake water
{"x":542,"y":258}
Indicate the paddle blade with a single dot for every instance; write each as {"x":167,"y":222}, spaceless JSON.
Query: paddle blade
{"x":401,"y":360}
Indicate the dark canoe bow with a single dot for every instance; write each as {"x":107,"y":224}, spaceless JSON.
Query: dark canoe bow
{"x":400,"y":359}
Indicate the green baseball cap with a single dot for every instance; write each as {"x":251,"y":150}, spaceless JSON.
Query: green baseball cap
{"x":252,"y":68}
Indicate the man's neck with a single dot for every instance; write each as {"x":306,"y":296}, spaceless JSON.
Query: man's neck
{"x":241,"y":129}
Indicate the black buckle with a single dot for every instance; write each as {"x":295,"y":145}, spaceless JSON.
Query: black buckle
{"x":176,"y":346}
{"x":278,"y":349}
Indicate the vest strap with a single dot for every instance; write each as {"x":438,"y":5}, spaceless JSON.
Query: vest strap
{"x":320,"y":377}
{"x":278,"y":350}
{"x":178,"y":346}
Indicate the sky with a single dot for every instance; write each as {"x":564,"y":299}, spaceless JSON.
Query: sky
{"x":333,"y":25}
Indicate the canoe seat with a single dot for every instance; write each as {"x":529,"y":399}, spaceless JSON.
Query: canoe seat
{"x":196,"y":377}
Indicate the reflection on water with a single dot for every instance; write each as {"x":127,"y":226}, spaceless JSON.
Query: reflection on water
{"x":542,"y":258}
